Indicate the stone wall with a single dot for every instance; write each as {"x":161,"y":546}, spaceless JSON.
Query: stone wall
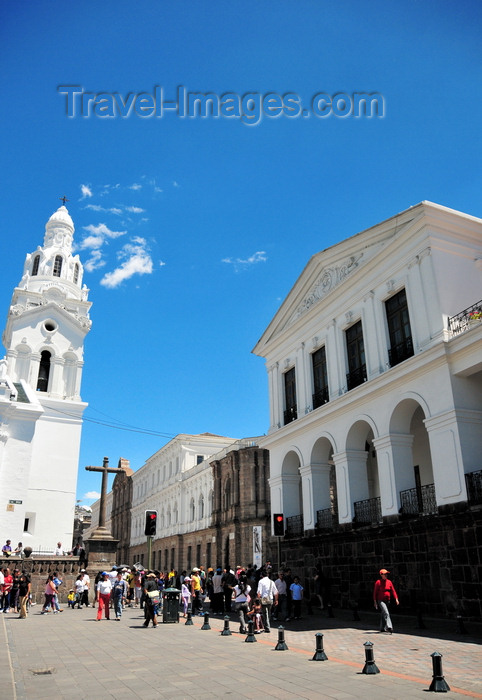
{"x":435,"y":562}
{"x":39,"y":570}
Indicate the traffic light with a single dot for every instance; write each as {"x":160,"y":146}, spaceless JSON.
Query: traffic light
{"x":151,"y":522}
{"x":278,"y":524}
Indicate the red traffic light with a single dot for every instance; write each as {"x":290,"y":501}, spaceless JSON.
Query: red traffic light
{"x":151,"y":523}
{"x":278,"y":524}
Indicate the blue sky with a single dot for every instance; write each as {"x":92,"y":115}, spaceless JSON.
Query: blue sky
{"x":193,"y":230}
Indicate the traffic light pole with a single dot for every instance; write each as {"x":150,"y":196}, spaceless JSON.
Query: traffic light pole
{"x":279,"y":552}
{"x":149,"y":553}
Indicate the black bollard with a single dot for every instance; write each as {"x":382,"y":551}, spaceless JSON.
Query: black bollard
{"x":330,"y":611}
{"x":420,"y":622}
{"x":281,"y":645}
{"x":226,"y":631}
{"x":460,"y":625}
{"x":438,"y":684}
{"x":206,"y":625}
{"x":319,"y":652}
{"x":189,"y":617}
{"x":250,"y":637}
{"x":370,"y":666}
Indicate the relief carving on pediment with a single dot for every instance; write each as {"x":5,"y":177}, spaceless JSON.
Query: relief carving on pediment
{"x":330,"y":278}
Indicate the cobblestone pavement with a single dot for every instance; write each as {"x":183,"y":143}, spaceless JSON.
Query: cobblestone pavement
{"x":72,"y":656}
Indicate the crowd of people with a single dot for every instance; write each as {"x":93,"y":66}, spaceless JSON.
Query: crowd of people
{"x":260,"y":595}
{"x":257,"y":595}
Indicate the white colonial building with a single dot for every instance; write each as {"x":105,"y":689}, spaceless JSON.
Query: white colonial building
{"x":40,"y":405}
{"x":374,"y":362}
{"x":177,"y":481}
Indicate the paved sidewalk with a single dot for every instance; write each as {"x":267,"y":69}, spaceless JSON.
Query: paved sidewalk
{"x":71,"y":656}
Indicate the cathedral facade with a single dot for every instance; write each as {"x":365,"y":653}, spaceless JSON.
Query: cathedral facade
{"x":40,"y":404}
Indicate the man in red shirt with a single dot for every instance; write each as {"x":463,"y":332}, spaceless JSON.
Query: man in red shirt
{"x":382,"y":592}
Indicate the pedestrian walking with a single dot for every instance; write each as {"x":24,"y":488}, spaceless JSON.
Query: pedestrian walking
{"x":382,"y":594}
{"x":151,"y":592}
{"x":186,"y":594}
{"x":119,"y":593}
{"x":297,"y":596}
{"x":104,"y":589}
{"x":50,"y":592}
{"x":240,"y":601}
{"x":23,"y":594}
{"x":268,"y":593}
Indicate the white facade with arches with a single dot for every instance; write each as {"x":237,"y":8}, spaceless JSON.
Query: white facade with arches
{"x":40,"y":404}
{"x":374,"y":389}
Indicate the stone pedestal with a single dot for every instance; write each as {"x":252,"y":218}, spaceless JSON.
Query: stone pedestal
{"x":101,"y":551}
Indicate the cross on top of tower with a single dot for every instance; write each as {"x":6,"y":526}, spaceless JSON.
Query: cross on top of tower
{"x":64,"y":199}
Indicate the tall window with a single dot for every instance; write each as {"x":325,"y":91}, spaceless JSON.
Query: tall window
{"x":191,"y":510}
{"x":201,"y":507}
{"x":44,"y":371}
{"x":290,"y":412}
{"x":76,"y":273}
{"x":357,"y":371}
{"x":320,"y":378}
{"x":57,"y":265}
{"x":399,"y":331}
{"x":189,"y":558}
{"x":36,"y":263}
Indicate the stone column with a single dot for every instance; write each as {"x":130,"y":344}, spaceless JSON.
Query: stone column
{"x":447,"y":464}
{"x":395,"y":469}
{"x":315,"y":482}
{"x":351,"y":481}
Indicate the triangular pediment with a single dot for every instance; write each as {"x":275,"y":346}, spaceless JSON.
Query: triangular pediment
{"x":327,"y":271}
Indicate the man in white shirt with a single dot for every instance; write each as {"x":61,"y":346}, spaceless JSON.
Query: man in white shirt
{"x":268,"y":593}
{"x":85,"y":592}
{"x":58,"y":551}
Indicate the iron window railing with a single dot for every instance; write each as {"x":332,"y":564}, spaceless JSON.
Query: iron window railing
{"x":290,"y":414}
{"x":419,"y":501}
{"x":399,"y":353}
{"x":356,"y":377}
{"x":473,"y":481}
{"x":325,"y":519}
{"x":368,"y":511}
{"x":466,"y":319}
{"x":294,"y":526}
{"x":320,"y":397}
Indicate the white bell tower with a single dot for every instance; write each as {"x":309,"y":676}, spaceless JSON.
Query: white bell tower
{"x":44,"y":337}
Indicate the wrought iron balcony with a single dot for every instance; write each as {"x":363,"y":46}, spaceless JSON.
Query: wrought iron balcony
{"x":474,"y":487}
{"x":466,"y":319}
{"x":399,"y":353}
{"x":356,"y":377}
{"x":290,"y":414}
{"x":325,"y":519}
{"x":419,"y":501}
{"x":294,"y":526}
{"x":320,"y":397}
{"x":368,"y":511}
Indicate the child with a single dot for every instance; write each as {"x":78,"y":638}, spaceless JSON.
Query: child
{"x":71,"y":599}
{"x":296,"y":596}
{"x":255,"y":615}
{"x":186,"y":593}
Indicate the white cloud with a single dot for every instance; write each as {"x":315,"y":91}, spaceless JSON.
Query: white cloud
{"x":109,"y":210}
{"x":158,"y":189}
{"x":175,"y":184}
{"x":104,"y":231}
{"x":86,"y":191}
{"x":161,"y":263}
{"x":91,"y":495}
{"x":95,"y":261}
{"x":135,"y":210}
{"x":137,"y":261}
{"x":135,"y":186}
{"x":240,"y":263}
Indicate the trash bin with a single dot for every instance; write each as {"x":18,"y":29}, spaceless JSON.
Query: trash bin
{"x":170,"y":604}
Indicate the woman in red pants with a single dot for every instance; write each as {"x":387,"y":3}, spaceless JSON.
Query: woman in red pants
{"x":104,"y":588}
